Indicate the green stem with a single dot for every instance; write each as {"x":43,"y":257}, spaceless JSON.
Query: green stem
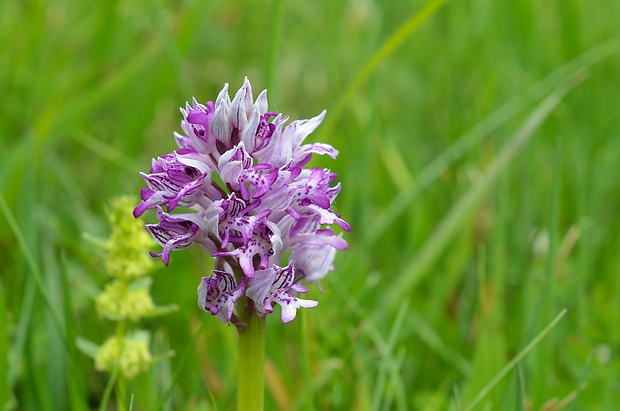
{"x":251,"y":391}
{"x":120,"y":380}
{"x":121,"y":393}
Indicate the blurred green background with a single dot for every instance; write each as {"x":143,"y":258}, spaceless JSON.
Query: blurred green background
{"x":477,"y":213}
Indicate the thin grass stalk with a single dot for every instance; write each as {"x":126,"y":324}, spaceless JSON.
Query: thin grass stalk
{"x":485,"y":391}
{"x":75,"y":379}
{"x":36,"y":275}
{"x":521,"y":404}
{"x":272,"y":46}
{"x":305,"y":363}
{"x":107,"y":392}
{"x":609,"y":386}
{"x":583,"y":375}
{"x":182,"y":361}
{"x":543,"y":355}
{"x":4,"y":348}
{"x":121,"y":393}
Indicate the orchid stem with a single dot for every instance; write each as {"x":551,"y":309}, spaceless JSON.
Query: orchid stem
{"x":251,"y":389}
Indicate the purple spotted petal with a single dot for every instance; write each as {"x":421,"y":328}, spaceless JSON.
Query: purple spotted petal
{"x":218,"y":293}
{"x":246,"y":253}
{"x":276,"y":285}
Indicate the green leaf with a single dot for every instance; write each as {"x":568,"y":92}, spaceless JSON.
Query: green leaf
{"x":87,"y":347}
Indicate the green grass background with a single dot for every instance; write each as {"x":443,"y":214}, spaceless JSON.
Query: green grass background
{"x":482,"y":202}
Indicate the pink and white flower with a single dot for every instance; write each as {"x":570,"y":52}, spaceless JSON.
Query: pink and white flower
{"x":247,"y":199}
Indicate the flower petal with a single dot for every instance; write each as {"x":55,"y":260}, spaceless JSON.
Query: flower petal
{"x":218,"y":293}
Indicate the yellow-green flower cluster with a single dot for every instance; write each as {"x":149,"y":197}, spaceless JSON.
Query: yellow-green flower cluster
{"x":128,"y":245}
{"x":127,"y":259}
{"x":120,"y":300}
{"x":126,"y":296}
{"x":130,"y":354}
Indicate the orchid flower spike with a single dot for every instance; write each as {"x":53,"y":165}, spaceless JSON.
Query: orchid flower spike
{"x":238,"y":186}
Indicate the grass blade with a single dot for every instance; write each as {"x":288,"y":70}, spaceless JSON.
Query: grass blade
{"x":390,"y":45}
{"x":459,"y":214}
{"x":476,"y":135}
{"x":36,"y":272}
{"x":5,"y":390}
{"x":515,"y":361}
{"x":182,"y":361}
{"x":272,"y":46}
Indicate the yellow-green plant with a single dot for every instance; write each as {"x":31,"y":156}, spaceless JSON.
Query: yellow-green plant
{"x":125,"y":300}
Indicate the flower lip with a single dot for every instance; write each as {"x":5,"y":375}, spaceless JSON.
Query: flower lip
{"x":217,"y":294}
{"x":276,"y":285}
